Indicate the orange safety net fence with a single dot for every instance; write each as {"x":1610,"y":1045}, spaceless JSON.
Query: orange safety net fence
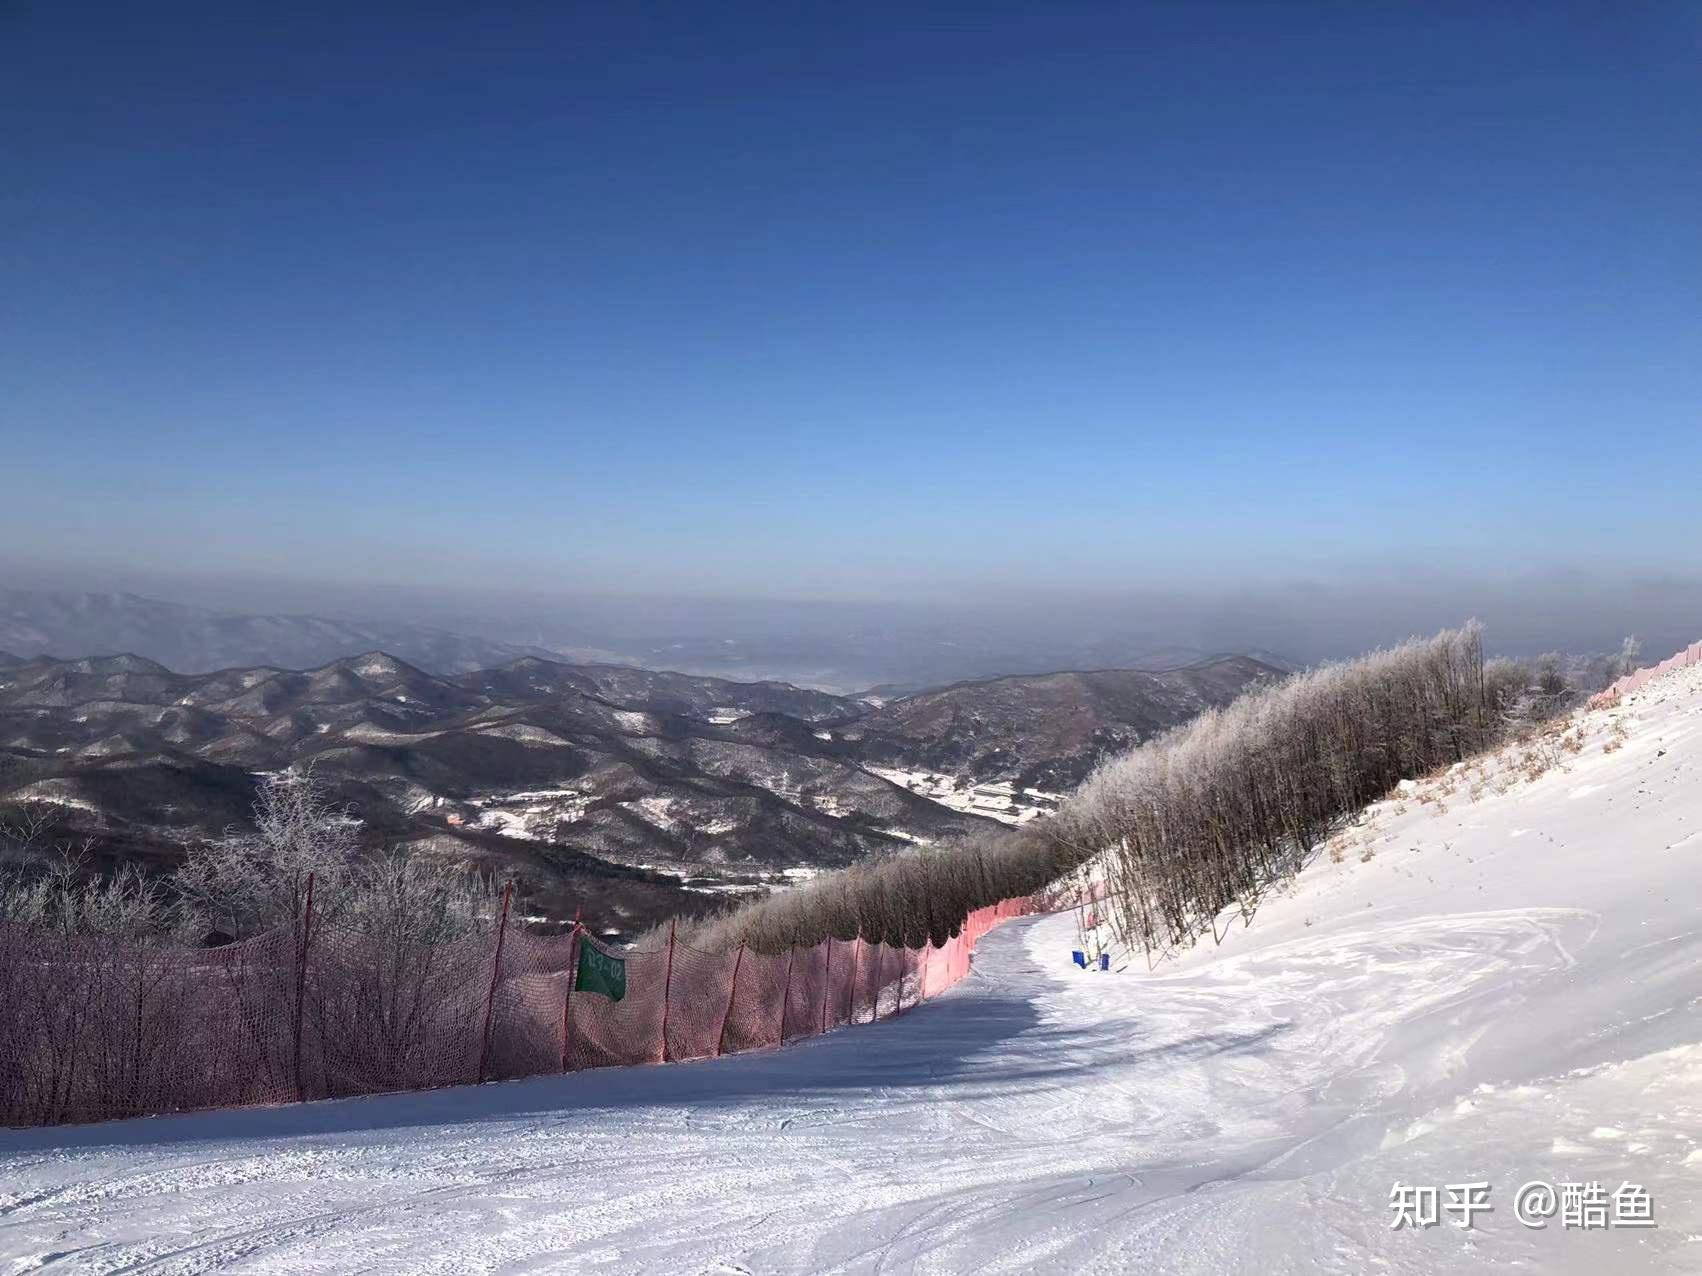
{"x":95,"y":1028}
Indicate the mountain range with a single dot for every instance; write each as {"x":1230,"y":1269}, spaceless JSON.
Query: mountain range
{"x":836,"y":646}
{"x":194,"y":639}
{"x":635,"y":792}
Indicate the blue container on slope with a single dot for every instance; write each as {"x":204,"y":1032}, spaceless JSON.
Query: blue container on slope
{"x":1080,"y":958}
{"x":1105,"y":961}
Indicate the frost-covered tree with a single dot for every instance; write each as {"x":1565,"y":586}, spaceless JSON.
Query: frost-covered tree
{"x":71,"y":900}
{"x":403,"y":901}
{"x":246,"y":881}
{"x":1206,"y":817}
{"x":1628,"y":659}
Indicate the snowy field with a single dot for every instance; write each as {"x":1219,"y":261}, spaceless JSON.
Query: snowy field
{"x":1495,"y":978}
{"x":996,"y":799}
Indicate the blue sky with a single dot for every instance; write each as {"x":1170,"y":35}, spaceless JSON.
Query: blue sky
{"x":863,"y":301}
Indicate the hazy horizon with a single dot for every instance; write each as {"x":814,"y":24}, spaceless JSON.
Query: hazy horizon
{"x":850,"y":644}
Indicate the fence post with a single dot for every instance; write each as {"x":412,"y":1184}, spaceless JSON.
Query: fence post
{"x":927,"y":960}
{"x":827,"y":980}
{"x":732,"y":991}
{"x":136,"y":1036}
{"x":572,"y":978}
{"x":301,"y":985}
{"x":668,"y":988}
{"x":875,"y":981}
{"x":496,"y":971}
{"x":856,"y":962}
{"x":786,"y":994}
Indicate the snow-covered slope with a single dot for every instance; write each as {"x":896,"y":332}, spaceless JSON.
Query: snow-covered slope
{"x":1498,"y":980}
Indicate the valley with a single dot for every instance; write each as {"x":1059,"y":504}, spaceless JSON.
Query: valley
{"x":632,"y":794}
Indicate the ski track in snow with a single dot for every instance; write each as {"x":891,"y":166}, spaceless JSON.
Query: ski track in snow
{"x":1508,"y":989}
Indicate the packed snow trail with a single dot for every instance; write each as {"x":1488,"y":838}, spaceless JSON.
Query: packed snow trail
{"x":1494,"y":978}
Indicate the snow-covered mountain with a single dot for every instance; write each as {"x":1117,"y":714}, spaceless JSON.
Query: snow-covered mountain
{"x":632,"y":793}
{"x":1046,"y":731}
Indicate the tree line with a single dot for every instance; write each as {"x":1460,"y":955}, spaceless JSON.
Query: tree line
{"x":1205,"y":817}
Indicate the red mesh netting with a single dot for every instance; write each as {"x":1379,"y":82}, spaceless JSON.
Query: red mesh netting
{"x":753,"y":1021}
{"x":92,"y":1029}
{"x":803,"y":1013}
{"x":602,"y":1032}
{"x":98,"y":1028}
{"x":698,"y":1002}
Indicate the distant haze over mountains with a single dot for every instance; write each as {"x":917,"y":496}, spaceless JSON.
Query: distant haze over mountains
{"x":843,"y":645}
{"x":196,"y":640}
{"x":830,"y":649}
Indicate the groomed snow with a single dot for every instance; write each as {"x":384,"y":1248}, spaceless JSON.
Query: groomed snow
{"x":1509,"y":988}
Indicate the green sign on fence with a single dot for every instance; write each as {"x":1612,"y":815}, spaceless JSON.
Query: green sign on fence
{"x":601,"y":973}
